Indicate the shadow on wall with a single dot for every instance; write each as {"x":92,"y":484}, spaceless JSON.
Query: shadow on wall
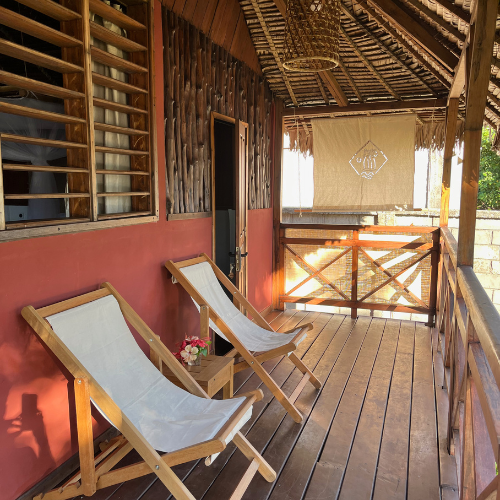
{"x":38,"y":417}
{"x":25,"y":436}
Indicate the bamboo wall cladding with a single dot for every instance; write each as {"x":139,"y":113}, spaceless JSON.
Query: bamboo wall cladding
{"x":201,"y":77}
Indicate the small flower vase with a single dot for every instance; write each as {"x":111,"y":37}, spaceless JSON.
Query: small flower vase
{"x":196,"y":362}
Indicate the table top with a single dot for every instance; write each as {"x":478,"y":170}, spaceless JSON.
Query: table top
{"x":210,"y":366}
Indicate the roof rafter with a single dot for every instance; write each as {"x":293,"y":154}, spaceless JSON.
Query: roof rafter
{"x":383,"y":47}
{"x":334,"y":87}
{"x":368,"y":64}
{"x":274,"y":51}
{"x":351,"y":81}
{"x":396,"y":36}
{"x":454,"y":9}
{"x":322,"y":89}
{"x":437,"y":19}
{"x":421,"y":34}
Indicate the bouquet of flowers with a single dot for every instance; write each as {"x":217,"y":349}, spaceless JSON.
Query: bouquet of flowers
{"x":191,"y":349}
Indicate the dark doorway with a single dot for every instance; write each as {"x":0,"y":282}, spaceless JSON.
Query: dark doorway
{"x":225,"y":196}
{"x":224,"y":208}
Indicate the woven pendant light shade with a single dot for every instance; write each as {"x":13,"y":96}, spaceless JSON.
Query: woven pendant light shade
{"x":312,"y":35}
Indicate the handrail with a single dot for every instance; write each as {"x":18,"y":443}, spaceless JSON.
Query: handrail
{"x":469,"y":340}
{"x":361,"y":227}
{"x":484,"y":315}
{"x":451,"y":244}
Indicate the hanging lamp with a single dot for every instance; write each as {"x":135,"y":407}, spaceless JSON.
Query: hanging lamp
{"x":312,"y":35}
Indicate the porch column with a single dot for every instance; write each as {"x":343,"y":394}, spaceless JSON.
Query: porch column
{"x":449,"y":143}
{"x":476,"y":89}
{"x":278,"y":263}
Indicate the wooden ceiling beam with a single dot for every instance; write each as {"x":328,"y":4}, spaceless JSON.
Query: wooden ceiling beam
{"x":281,"y":4}
{"x":458,"y":83}
{"x":322,"y":89}
{"x":418,"y":32}
{"x":437,"y":19}
{"x":383,"y":47}
{"x":333,"y":86}
{"x":414,"y":104}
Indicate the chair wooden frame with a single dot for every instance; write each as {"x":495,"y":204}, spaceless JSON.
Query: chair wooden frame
{"x":95,"y":472}
{"x":250,"y":360}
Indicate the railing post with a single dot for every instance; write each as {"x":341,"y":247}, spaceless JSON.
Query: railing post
{"x":354,"y":276}
{"x":277,"y":166}
{"x":281,"y":269}
{"x":434,"y":278}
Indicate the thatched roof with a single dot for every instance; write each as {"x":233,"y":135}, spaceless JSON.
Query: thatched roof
{"x":381,"y":60}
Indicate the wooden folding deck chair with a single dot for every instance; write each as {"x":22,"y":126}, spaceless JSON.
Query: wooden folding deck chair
{"x":200,"y":277}
{"x":90,"y":337}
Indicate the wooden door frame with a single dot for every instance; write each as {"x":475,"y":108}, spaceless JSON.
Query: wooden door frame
{"x":243,"y":289}
{"x":218,"y":116}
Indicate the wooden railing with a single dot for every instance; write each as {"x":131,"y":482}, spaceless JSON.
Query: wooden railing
{"x":359,"y":267}
{"x":469,"y":341}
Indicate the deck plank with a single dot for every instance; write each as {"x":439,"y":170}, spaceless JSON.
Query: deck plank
{"x":370,"y":432}
{"x":360,"y":473}
{"x":447,"y":464}
{"x":423,"y":469}
{"x":285,"y":441}
{"x":200,"y":480}
{"x":328,"y":474}
{"x":264,"y":431}
{"x":392,"y":470}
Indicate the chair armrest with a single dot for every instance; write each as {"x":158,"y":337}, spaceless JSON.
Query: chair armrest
{"x":257,"y":393}
{"x":303,"y":328}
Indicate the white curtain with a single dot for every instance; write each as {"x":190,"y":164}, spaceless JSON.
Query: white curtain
{"x":111,"y":183}
{"x":40,"y":182}
{"x":364,"y":163}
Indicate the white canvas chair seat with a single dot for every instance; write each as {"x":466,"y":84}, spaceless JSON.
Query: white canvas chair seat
{"x":254,"y":337}
{"x":167,"y":416}
{"x":254,"y":341}
{"x":166,"y":425}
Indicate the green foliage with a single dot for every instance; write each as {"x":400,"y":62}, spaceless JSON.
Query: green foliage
{"x":489,"y":175}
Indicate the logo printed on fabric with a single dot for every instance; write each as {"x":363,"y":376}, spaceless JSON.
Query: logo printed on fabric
{"x":368,"y":160}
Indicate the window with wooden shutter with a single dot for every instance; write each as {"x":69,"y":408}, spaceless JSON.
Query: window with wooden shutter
{"x":77,"y":129}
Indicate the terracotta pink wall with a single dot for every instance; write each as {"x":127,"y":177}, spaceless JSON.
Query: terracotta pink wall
{"x":45,"y":270}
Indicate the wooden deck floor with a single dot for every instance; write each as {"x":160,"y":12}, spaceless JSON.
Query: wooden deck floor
{"x":371,"y":432}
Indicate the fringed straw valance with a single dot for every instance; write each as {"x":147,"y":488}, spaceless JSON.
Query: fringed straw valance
{"x":428,"y":135}
{"x":304,"y":143}
{"x":431,"y":135}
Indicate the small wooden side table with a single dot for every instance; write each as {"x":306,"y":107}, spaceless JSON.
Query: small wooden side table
{"x":214,"y":373}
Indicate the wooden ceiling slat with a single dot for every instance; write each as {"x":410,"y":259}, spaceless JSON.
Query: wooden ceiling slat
{"x":178,"y":6}
{"x":230,"y":25}
{"x":218,"y":22}
{"x":209,"y":16}
{"x":189,"y":9}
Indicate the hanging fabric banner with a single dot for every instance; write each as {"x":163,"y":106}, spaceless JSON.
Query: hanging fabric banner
{"x":364,"y":163}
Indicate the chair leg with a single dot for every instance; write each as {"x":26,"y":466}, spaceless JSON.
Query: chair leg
{"x":245,"y":481}
{"x":284,"y":401}
{"x":266,"y":471}
{"x":85,"y":437}
{"x":304,"y":369}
